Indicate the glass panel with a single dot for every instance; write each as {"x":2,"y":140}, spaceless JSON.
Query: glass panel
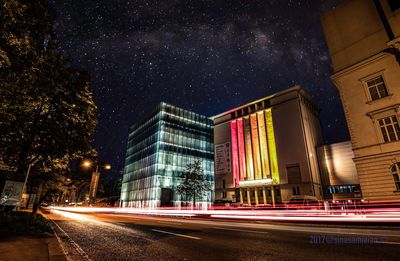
{"x":249,"y":153}
{"x":263,"y":145}
{"x":271,"y":146}
{"x":242,"y":154}
{"x":377,"y":88}
{"x":392,"y":136}
{"x":382,"y":90}
{"x":374,"y":93}
{"x":235,"y":153}
{"x":256,"y":146}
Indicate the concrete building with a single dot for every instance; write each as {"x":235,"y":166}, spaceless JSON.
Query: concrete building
{"x":363,"y":38}
{"x":159,"y":149}
{"x":265,"y":150}
{"x":338,"y":172}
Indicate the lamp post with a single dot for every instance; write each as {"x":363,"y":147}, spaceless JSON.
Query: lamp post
{"x":24,"y":186}
{"x":95,"y":178}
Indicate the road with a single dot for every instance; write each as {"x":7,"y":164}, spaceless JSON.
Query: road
{"x":141,"y":237}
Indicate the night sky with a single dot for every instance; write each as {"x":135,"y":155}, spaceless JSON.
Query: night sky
{"x":207,"y":56}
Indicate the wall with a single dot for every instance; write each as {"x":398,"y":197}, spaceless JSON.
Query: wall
{"x":354,"y":31}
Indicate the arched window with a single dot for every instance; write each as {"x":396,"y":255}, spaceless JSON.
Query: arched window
{"x":396,"y":175}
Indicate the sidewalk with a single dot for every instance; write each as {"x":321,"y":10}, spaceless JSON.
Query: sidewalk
{"x":18,"y":247}
{"x":24,"y":247}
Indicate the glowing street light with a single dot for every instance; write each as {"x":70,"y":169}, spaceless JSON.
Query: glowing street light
{"x":87,"y":163}
{"x":95,"y":177}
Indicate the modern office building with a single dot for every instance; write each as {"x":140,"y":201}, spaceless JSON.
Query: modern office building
{"x":338,"y":172}
{"x":159,"y":148}
{"x":265,"y":151}
{"x":363,"y":38}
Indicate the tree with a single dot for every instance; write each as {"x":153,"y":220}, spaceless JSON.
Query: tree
{"x":47,"y":110}
{"x":111,"y":189}
{"x":47,"y":113}
{"x":194,"y":183}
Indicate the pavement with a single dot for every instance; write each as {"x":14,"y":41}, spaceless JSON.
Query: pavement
{"x":110,"y":236}
{"x":32,"y":247}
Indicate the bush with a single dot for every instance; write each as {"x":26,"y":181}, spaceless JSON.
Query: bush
{"x":20,"y":222}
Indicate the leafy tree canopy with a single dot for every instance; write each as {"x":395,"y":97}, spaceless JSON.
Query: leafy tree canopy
{"x":194,"y":183}
{"x":47,"y":113}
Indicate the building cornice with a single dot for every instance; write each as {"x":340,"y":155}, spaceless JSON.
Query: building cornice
{"x":301,"y":92}
{"x":395,"y":107}
{"x":360,"y":65}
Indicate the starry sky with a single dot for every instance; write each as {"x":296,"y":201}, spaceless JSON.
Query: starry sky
{"x":207,"y":56}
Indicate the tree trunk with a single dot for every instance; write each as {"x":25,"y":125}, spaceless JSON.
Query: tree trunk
{"x":19,"y":174}
{"x":29,"y":190}
{"x":38,"y":200}
{"x":194,"y":200}
{"x":77,"y":196}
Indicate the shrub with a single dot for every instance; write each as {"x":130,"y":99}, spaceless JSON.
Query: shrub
{"x":20,"y":222}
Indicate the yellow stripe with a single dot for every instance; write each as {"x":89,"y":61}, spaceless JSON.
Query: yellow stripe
{"x":272,"y":147}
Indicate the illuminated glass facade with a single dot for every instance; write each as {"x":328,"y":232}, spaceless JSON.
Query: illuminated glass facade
{"x":159,"y":148}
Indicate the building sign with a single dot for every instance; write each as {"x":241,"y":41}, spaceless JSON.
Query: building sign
{"x":259,"y":182}
{"x":12,"y":193}
{"x":222,"y":158}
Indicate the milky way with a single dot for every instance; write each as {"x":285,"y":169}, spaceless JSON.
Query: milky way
{"x":205,"y":56}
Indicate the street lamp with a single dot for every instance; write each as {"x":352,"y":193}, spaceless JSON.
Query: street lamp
{"x":95,"y":177}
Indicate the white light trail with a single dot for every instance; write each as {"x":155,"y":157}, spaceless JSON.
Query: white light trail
{"x":365,"y":215}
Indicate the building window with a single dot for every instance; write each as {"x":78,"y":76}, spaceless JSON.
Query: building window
{"x":377,"y":88}
{"x":396,"y":175}
{"x":296,"y":190}
{"x":223,"y":194}
{"x":293,"y":174}
{"x":223,"y":183}
{"x":390,"y":128}
{"x":394,"y":4}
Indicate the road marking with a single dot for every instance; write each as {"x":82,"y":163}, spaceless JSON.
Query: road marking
{"x":242,"y":230}
{"x":170,"y":222}
{"x":389,"y":243}
{"x":175,"y":234}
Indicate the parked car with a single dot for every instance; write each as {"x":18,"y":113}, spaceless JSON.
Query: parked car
{"x":304,"y":202}
{"x":8,"y":204}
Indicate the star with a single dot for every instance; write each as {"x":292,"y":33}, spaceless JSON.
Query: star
{"x":206,"y":56}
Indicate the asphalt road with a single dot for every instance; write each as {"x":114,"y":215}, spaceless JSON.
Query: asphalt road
{"x":139,"y":237}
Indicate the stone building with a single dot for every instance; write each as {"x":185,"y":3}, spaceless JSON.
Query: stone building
{"x":265,"y":151}
{"x":363,"y":38}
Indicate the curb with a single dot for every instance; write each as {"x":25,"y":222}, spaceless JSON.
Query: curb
{"x":55,"y":250}
{"x":72,"y":251}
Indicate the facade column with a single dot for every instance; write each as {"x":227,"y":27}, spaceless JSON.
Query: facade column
{"x":248,"y":196}
{"x":273,"y":196}
{"x":241,"y":196}
{"x":264,"y":195}
{"x":256,"y":195}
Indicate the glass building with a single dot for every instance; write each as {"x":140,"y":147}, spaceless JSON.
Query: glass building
{"x":158,"y":151}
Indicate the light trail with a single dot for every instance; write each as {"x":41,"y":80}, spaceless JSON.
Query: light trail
{"x":336,"y":216}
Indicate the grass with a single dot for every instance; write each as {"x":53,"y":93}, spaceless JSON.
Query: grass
{"x":19,"y":222}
